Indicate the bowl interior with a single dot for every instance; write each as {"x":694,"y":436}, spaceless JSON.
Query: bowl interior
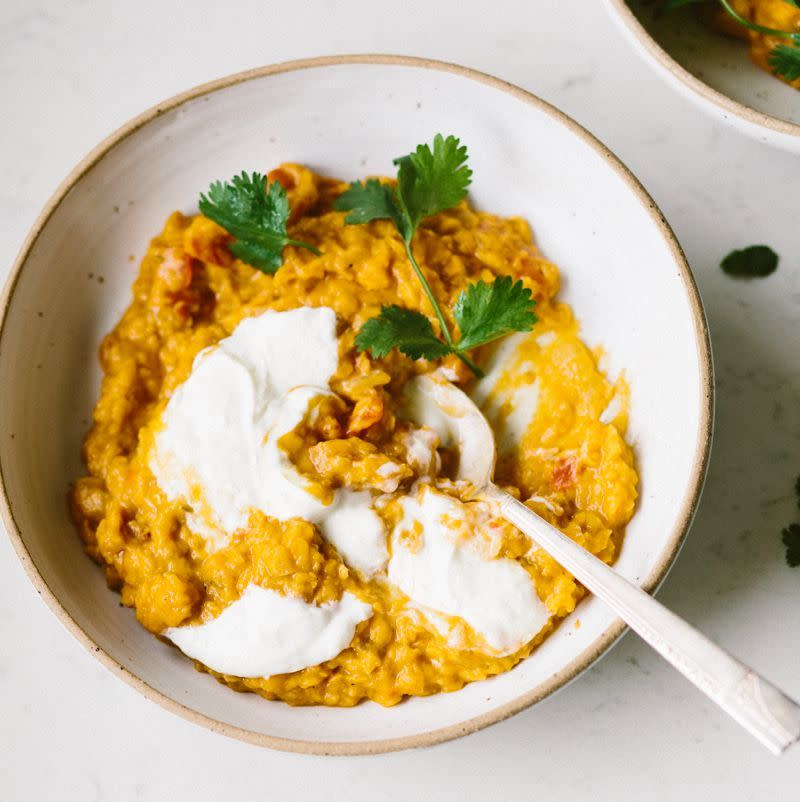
{"x":620,"y":271}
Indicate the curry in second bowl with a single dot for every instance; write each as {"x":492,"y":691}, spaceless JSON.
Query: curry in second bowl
{"x":261,"y":486}
{"x":771,"y":28}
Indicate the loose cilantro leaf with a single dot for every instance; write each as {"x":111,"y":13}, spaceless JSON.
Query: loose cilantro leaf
{"x":757,"y":261}
{"x":791,"y":539}
{"x":408,"y":331}
{"x":255,"y":214}
{"x":432,"y":180}
{"x":486,"y":312}
{"x":785,"y":61}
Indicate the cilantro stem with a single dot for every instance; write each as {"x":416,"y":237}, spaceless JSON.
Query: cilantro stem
{"x":470,"y":364}
{"x":439,"y":315}
{"x":753,"y":26}
{"x":306,"y":245}
{"x":429,"y":292}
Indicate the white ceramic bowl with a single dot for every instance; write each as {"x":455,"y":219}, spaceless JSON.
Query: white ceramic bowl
{"x":623,"y":271}
{"x":713,"y":71}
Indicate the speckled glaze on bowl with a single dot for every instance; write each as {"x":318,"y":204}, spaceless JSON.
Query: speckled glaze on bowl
{"x":713,"y":71}
{"x":623,"y":272}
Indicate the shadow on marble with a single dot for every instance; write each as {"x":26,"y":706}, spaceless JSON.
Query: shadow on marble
{"x":734,"y":550}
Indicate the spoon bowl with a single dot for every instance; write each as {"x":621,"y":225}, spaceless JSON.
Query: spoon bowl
{"x":437,"y":403}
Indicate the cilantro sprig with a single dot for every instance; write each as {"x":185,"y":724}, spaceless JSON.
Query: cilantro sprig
{"x":428,"y":182}
{"x":784,"y":59}
{"x":431,"y":180}
{"x":255,"y":213}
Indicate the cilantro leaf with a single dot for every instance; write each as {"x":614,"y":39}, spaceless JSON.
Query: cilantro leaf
{"x":756,"y":261}
{"x":255,"y":213}
{"x":485,"y":312}
{"x":785,"y":61}
{"x":432,"y":180}
{"x":791,"y":539}
{"x":429,"y":180}
{"x":369,"y":201}
{"x":408,"y":331}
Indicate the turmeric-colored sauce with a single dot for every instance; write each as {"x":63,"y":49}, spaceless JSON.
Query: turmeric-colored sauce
{"x":572,"y":465}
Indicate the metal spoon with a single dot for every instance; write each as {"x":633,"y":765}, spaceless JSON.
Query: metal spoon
{"x":758,"y":706}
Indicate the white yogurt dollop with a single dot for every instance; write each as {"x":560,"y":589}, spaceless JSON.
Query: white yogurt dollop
{"x":221,"y":426}
{"x":509,"y":410}
{"x":357,"y":532}
{"x":264,"y":633}
{"x":217,"y":452}
{"x":496,"y":597}
{"x":218,"y":448}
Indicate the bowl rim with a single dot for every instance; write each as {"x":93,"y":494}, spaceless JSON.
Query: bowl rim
{"x":723,"y":102}
{"x":603,"y":642}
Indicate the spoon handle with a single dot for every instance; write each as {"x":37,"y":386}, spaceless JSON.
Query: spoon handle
{"x":758,"y":706}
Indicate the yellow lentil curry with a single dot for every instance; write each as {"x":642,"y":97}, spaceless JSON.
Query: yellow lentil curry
{"x":573,"y":465}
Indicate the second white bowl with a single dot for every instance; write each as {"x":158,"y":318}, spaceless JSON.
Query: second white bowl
{"x":712,"y":71}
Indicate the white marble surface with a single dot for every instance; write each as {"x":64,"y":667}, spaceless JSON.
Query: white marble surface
{"x":630,"y":728}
